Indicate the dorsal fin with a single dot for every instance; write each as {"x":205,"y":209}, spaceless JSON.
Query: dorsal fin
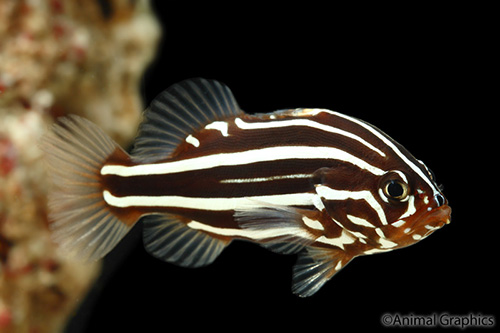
{"x":179,"y":111}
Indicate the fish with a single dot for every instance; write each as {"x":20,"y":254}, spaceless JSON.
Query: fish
{"x":201,"y":173}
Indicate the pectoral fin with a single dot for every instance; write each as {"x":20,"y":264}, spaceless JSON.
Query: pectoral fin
{"x":281,"y":228}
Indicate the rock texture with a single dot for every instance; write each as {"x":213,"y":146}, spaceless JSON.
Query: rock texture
{"x":58,"y":57}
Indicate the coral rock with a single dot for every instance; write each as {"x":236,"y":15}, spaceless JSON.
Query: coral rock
{"x":58,"y":57}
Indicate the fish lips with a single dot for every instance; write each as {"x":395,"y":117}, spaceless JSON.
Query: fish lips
{"x":432,"y":220}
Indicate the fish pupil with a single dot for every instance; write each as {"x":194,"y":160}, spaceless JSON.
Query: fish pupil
{"x":395,"y":189}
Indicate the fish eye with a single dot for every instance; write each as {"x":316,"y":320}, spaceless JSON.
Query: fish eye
{"x":396,"y":190}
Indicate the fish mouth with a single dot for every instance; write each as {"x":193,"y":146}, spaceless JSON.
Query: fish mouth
{"x":432,"y":220}
{"x":440,"y":214}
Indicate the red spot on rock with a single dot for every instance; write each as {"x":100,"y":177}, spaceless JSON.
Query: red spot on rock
{"x":58,"y":30}
{"x":8,"y":156}
{"x":57,"y":6}
{"x":5,"y":318}
{"x":50,"y":265}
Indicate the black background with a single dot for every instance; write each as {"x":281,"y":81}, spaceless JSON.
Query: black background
{"x":421,"y":74}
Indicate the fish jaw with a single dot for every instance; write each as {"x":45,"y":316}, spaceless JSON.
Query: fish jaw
{"x":419,"y":226}
{"x":431,"y":221}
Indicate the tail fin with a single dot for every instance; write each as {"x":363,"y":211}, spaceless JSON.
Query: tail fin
{"x":82,"y":223}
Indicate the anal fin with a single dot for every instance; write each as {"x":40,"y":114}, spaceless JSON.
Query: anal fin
{"x":314,"y":267}
{"x":171,"y":240}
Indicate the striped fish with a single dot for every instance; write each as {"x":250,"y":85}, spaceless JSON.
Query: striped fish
{"x":202,"y":173}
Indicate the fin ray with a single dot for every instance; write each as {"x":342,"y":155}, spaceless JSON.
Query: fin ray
{"x":82,"y":223}
{"x":281,"y":227}
{"x":179,"y":111}
{"x":171,"y":240}
{"x":314,"y":267}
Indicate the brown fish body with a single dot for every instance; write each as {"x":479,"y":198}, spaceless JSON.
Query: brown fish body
{"x":203,"y":173}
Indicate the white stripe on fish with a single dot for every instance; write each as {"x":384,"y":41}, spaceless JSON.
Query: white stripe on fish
{"x":240,"y":158}
{"x":332,"y":194}
{"x":210,"y":204}
{"x":308,"y":123}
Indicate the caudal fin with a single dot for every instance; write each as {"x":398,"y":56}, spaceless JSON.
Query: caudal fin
{"x":82,"y":223}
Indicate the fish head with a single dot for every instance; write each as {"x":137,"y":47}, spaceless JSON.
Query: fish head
{"x":427,"y":208}
{"x":390,"y":210}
